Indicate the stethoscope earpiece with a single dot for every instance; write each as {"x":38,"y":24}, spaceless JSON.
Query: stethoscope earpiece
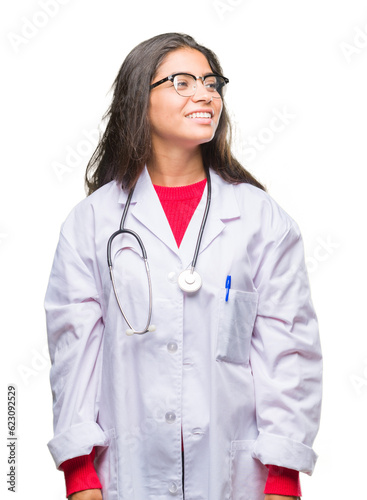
{"x":151,"y":328}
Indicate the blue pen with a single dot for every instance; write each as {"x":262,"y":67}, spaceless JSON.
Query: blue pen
{"x":228,"y":286}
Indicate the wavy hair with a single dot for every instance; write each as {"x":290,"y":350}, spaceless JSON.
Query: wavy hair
{"x":125,"y":147}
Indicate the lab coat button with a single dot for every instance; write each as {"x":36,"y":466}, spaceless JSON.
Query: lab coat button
{"x":172,"y":347}
{"x":170,"y":417}
{"x":172,"y":277}
{"x":173,"y":488}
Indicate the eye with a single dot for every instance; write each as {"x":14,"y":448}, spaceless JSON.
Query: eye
{"x":183,"y":82}
{"x":211,"y":83}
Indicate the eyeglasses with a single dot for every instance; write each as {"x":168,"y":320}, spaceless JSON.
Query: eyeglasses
{"x":186,"y":84}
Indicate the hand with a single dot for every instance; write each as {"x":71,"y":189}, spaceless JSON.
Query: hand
{"x":279,"y":497}
{"x":94,"y":494}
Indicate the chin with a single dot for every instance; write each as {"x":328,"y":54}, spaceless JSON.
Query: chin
{"x":204,"y":137}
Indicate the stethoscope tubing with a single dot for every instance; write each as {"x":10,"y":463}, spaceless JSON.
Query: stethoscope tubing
{"x":203,"y":222}
{"x":147,"y":326}
{"x":122,"y":230}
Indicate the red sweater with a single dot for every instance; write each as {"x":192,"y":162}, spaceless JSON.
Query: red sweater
{"x":179,"y":205}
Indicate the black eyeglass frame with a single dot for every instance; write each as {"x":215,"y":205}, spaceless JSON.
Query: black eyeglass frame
{"x":202,"y":78}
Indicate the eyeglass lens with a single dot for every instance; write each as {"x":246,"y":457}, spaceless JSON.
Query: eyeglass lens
{"x":186,"y":85}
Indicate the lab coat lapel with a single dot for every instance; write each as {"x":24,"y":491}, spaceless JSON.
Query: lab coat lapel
{"x":147,"y":209}
{"x":223,"y":209}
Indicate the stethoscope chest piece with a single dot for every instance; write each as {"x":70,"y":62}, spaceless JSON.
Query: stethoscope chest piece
{"x":189,"y":281}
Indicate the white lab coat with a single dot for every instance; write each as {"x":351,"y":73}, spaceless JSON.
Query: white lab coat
{"x":241,"y":378}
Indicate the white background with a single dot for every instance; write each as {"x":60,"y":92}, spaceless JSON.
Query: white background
{"x":305,"y":59}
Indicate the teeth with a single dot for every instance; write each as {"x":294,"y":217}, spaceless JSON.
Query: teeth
{"x":199,"y":115}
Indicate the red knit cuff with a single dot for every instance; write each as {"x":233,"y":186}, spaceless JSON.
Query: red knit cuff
{"x":80,"y":474}
{"x":282,"y":481}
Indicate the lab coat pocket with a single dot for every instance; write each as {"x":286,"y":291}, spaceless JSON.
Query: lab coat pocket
{"x":106,"y":466}
{"x":247,"y":475}
{"x":236,"y":322}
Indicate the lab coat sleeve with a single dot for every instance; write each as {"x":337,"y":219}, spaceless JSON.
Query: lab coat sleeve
{"x":75,"y":333}
{"x":286,"y":356}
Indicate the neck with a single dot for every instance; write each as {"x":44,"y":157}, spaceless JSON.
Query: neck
{"x":177,"y":167}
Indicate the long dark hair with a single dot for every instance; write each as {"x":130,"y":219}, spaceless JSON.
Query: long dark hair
{"x":125,"y":146}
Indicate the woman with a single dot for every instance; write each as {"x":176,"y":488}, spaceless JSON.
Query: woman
{"x":217,"y":394}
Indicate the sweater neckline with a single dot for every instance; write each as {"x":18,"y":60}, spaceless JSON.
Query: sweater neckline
{"x":180,"y":192}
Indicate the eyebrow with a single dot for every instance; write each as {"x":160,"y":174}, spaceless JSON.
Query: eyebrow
{"x":191,"y":73}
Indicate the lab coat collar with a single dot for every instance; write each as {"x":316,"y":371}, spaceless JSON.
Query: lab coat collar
{"x":223,"y":209}
{"x":147,"y":209}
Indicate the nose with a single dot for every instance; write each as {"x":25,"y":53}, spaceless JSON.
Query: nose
{"x":202,"y":93}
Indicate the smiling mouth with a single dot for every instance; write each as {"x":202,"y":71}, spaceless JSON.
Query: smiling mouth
{"x":199,"y":115}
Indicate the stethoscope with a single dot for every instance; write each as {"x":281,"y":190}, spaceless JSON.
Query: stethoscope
{"x":189,"y":280}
